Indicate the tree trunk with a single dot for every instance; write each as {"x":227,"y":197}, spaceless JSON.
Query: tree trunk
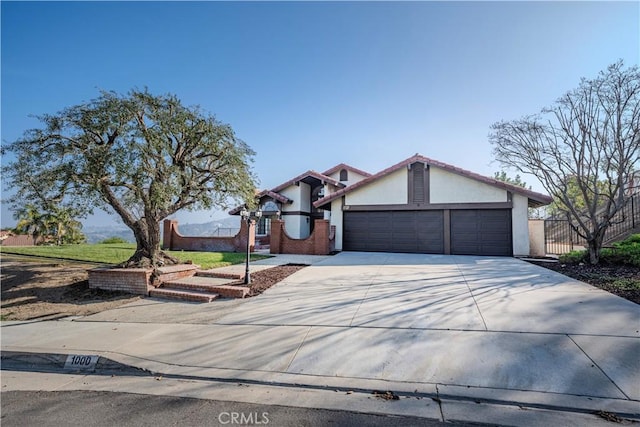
{"x":595,"y":245}
{"x":594,"y":253}
{"x":148,"y":252}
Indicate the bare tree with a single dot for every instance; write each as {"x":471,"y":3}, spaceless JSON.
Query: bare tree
{"x":583,"y":149}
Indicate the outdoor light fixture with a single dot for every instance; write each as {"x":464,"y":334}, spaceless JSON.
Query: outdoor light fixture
{"x":248,"y":216}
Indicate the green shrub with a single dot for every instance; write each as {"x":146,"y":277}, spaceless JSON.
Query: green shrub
{"x":111,"y":240}
{"x":634,"y":239}
{"x":573,"y":257}
{"x":626,"y":252}
{"x":626,"y":284}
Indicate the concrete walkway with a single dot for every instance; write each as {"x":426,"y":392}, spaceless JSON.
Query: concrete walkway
{"x":482,"y":336}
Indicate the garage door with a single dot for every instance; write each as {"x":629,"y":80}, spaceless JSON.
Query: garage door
{"x":394,"y":231}
{"x":481,"y":232}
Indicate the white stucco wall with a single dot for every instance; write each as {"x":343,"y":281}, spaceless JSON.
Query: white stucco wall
{"x":520,"y":225}
{"x":447,"y":187}
{"x":305,"y":197}
{"x":297,"y":226}
{"x":353,"y":177}
{"x":336,"y":219}
{"x":293,"y":193}
{"x":305,"y":227}
{"x":391,"y":189}
{"x":536,"y":238}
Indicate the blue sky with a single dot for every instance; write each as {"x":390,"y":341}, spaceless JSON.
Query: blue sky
{"x":311,"y":84}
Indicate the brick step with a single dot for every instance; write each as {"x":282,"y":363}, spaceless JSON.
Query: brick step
{"x":208,"y":284}
{"x":174,"y":272}
{"x":219,"y":274}
{"x":183,"y":295}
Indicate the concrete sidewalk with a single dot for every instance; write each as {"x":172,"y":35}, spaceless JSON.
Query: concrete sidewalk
{"x":457,"y":329}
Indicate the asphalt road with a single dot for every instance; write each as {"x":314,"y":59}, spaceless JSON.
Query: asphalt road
{"x":87,"y":408}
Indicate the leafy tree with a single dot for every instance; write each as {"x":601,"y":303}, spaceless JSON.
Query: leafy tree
{"x":573,"y":193}
{"x":65,"y":228}
{"x":583,"y":149}
{"x":31,"y":221}
{"x":141,"y":156}
{"x":502,"y":176}
{"x":57,"y":224}
{"x":536,"y":213}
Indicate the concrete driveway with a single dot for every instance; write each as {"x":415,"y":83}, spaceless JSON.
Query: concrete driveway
{"x":456,"y":321}
{"x":464,"y":329}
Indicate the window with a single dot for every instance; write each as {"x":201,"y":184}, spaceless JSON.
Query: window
{"x":344,"y":175}
{"x":269,"y":207}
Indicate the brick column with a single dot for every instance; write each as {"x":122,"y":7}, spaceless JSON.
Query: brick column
{"x":241,"y":242}
{"x":321,"y":237}
{"x":167,"y":238}
{"x":276,"y":236}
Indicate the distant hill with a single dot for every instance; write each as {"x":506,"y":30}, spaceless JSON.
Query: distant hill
{"x":97,"y":234}
{"x":221,"y":227}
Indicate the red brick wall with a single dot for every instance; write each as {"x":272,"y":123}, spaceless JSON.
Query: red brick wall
{"x":131,"y":280}
{"x":173,"y":240}
{"x":136,"y":280}
{"x":321,"y":241}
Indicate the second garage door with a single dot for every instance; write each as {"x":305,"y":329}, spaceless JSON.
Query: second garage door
{"x":481,"y":232}
{"x":394,"y":231}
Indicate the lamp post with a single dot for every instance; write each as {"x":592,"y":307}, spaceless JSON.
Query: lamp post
{"x":248,"y":216}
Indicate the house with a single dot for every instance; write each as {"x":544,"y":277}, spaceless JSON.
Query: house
{"x":418,"y":205}
{"x":8,"y":238}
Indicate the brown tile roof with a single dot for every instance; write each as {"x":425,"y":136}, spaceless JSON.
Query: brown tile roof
{"x":310,"y":173}
{"x":261,"y":194}
{"x":276,"y":196}
{"x":347,"y":167}
{"x":274,"y":193}
{"x":535,"y":199}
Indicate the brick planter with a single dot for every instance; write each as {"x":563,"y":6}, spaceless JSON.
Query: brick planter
{"x":136,"y":280}
{"x":320,"y":242}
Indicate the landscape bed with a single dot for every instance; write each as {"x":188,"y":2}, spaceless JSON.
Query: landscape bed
{"x":621,"y":280}
{"x":46,"y":289}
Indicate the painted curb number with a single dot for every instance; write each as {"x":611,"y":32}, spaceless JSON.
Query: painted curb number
{"x":81,"y":361}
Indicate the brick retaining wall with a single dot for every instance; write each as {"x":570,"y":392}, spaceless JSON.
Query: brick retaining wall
{"x":174,"y":241}
{"x":320,"y":242}
{"x":130,"y":280}
{"x":136,"y":280}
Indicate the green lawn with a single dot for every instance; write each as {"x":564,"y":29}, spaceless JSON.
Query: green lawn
{"x":118,"y":252}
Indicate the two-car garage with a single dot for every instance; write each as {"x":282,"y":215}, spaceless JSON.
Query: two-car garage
{"x":458,"y":232}
{"x":421,"y":205}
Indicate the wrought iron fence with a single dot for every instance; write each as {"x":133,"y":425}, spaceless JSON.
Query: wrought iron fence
{"x":225,"y":232}
{"x":561,"y":238}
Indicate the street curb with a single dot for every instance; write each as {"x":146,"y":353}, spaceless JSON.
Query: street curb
{"x":59,"y":363}
{"x":440,"y":393}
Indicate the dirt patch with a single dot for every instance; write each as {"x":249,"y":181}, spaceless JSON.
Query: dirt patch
{"x":264,"y":279}
{"x":621,"y":280}
{"x":50,"y":289}
{"x":37,"y":288}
